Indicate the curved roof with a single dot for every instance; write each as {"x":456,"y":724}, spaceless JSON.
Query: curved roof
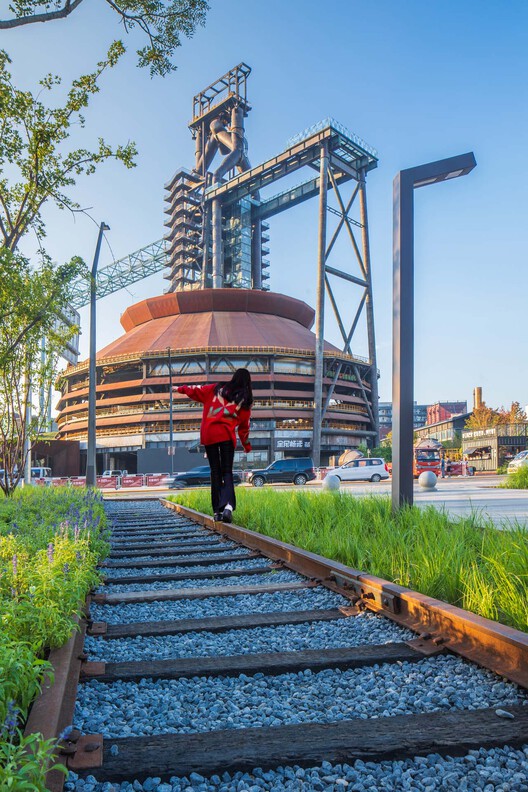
{"x":218,"y":300}
{"x":215,"y":318}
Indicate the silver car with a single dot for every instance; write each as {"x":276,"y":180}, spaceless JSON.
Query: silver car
{"x":371,"y":469}
{"x":519,"y":461}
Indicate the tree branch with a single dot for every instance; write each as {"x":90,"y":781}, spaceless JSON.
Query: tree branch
{"x":5,"y":24}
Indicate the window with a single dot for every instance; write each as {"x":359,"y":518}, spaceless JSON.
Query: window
{"x":363,"y":462}
{"x":281,"y":465}
{"x":375,"y":462}
{"x":289,"y":464}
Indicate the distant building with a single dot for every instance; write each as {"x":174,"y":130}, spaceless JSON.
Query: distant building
{"x":448,"y":431}
{"x":488,"y":449}
{"x":385,"y":417}
{"x":442,"y":411}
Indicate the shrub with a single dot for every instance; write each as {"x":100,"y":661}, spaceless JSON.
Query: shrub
{"x":50,"y":544}
{"x":517,"y":480}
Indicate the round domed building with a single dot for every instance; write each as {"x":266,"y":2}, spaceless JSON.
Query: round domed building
{"x":206,"y":334}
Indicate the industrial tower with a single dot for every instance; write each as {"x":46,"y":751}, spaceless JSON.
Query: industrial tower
{"x":218,"y":230}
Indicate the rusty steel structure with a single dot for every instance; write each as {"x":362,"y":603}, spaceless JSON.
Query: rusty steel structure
{"x":218,"y":228}
{"x":218,"y":234}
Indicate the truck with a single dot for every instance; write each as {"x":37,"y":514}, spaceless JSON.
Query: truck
{"x":427,"y":455}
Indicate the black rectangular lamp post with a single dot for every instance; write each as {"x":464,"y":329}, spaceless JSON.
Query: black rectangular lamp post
{"x":91,"y":467}
{"x":404,"y":185}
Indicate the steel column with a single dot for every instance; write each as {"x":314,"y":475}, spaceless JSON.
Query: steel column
{"x":218,"y":248}
{"x":369,"y":307}
{"x":319,"y":309}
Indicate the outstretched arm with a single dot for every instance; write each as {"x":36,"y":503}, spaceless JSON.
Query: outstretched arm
{"x":196,"y":392}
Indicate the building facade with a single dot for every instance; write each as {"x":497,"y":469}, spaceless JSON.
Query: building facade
{"x":442,"y":411}
{"x":209,"y":333}
{"x":488,"y":449}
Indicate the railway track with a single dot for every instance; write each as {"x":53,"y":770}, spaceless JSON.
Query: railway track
{"x":230,"y":661}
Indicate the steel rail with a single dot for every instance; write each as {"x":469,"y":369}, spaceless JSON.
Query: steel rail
{"x":495,"y":646}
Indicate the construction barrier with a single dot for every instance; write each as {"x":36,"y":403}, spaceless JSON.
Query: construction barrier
{"x":104,"y":482}
{"x":132,"y":481}
{"x":157,"y":479}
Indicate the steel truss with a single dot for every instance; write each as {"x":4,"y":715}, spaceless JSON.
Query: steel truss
{"x":122,"y":273}
{"x":339,"y":156}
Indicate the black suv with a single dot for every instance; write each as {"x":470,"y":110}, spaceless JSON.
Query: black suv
{"x":296,"y":471}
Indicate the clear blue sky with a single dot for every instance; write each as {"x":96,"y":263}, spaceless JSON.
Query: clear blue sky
{"x":418,"y":81}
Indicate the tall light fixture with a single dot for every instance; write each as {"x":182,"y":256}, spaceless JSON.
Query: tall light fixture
{"x":403,"y":313}
{"x":90,"y":453}
{"x":171,"y":422}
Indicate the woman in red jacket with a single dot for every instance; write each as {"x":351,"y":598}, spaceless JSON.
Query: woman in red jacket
{"x":226,"y":407}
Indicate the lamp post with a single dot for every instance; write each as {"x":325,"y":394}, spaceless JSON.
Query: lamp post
{"x":404,"y":185}
{"x":90,"y":452}
{"x":171,"y":422}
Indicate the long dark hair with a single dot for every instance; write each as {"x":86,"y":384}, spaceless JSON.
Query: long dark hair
{"x":238,"y":389}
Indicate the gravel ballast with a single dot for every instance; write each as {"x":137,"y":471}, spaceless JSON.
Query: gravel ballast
{"x":250,"y":563}
{"x":495,"y":770}
{"x":240,"y":604}
{"x":265,"y":579}
{"x":207,"y":704}
{"x":360,"y":630}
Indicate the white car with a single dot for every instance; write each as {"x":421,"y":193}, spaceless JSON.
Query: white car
{"x":518,"y":461}
{"x":371,"y":469}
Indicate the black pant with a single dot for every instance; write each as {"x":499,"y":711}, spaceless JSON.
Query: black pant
{"x":220,"y":456}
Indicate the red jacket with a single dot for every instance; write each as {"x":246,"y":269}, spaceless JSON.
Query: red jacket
{"x":219,"y":421}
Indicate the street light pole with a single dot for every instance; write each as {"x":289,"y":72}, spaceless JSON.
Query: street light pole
{"x":171,"y":423}
{"x":91,"y":450}
{"x":405,"y":183}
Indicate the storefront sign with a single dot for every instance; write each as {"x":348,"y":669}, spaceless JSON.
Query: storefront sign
{"x":289,"y":444}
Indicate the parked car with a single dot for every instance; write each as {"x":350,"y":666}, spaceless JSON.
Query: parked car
{"x":114,"y":473}
{"x":41,"y":475}
{"x":197,"y":477}
{"x":365,"y":469}
{"x":518,"y":461}
{"x":289,"y":471}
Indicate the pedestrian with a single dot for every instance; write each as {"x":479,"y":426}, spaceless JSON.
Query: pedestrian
{"x":226,"y":408}
{"x":448,"y":467}
{"x":442,"y":467}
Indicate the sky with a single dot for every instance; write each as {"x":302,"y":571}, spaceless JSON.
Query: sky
{"x":417,"y":81}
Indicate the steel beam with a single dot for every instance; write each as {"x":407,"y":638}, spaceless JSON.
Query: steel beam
{"x":319,"y":310}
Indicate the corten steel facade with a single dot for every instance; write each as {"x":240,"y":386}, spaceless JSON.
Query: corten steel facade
{"x":210,"y":333}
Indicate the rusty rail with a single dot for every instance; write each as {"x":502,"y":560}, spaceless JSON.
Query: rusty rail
{"x":495,"y":646}
{"x":52,"y":711}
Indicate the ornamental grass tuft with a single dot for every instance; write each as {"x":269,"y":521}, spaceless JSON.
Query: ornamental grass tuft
{"x":465,"y":561}
{"x":517,"y":480}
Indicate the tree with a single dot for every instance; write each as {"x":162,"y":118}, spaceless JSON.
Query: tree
{"x":162,"y":21}
{"x":36,"y":168}
{"x":32,"y":337}
{"x":31,"y":141}
{"x":514,"y":415}
{"x":482,"y":417}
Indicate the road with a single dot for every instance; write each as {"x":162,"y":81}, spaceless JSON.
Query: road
{"x":457,"y":496}
{"x":462,"y":497}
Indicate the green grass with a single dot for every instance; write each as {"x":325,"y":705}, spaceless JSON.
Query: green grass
{"x":517,"y":480}
{"x":464,"y":561}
